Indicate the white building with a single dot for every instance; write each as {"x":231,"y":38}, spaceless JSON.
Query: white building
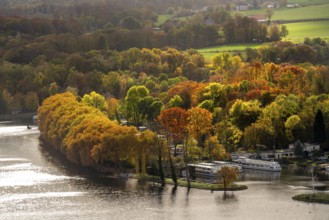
{"x":307,"y":147}
{"x":277,"y":154}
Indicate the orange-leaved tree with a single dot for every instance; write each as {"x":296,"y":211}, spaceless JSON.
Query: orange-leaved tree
{"x":174,"y":121}
{"x":200,"y":124}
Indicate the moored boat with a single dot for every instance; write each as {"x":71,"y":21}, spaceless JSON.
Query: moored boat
{"x":207,"y":172}
{"x":247,"y":163}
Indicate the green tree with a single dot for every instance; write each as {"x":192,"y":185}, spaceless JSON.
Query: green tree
{"x":130,"y":23}
{"x":292,"y":124}
{"x":268,"y":14}
{"x":3,"y":104}
{"x":274,"y":33}
{"x":133,"y":97}
{"x":96,"y":100}
{"x":243,"y":114}
{"x":284,"y":31}
{"x":176,"y":101}
{"x":149,"y":108}
{"x":319,"y":128}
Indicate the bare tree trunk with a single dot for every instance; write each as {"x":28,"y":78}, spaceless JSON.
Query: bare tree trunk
{"x":137,"y":164}
{"x":143,"y":164}
{"x":185,"y":164}
{"x":172,"y":169}
{"x":161,"y":174}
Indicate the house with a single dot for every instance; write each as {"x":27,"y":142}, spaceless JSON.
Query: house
{"x":277,"y":154}
{"x":307,"y":148}
{"x":241,"y":6}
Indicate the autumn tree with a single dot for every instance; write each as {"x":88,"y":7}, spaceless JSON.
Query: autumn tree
{"x":227,"y":175}
{"x":117,"y":145}
{"x":145,"y":150}
{"x":229,"y":135}
{"x":258,"y":133}
{"x":200,"y":124}
{"x":174,"y":121}
{"x":214,"y":150}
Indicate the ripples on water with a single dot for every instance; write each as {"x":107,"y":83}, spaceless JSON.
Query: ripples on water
{"x":35,"y":185}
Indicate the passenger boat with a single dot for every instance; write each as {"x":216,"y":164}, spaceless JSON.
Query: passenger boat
{"x":247,"y":163}
{"x":207,"y":172}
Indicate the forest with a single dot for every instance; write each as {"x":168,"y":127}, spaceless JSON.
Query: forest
{"x":95,"y":80}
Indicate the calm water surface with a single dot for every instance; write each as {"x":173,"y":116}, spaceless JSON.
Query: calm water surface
{"x":35,"y":185}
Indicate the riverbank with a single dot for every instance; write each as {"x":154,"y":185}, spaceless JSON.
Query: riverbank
{"x":313,"y":198}
{"x":194,"y":185}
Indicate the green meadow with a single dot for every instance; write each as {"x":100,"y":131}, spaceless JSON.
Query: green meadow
{"x":308,"y":2}
{"x":301,"y":13}
{"x":162,"y":19}
{"x":299,"y":31}
{"x":209,"y":52}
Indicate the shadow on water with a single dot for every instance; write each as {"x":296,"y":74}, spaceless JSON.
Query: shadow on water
{"x":58,"y":160}
{"x":96,"y":180}
{"x":227,"y":197}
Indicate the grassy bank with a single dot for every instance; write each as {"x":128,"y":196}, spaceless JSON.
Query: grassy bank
{"x":194,"y":185}
{"x":313,"y":198}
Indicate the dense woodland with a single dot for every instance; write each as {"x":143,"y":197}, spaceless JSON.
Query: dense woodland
{"x":93,"y":74}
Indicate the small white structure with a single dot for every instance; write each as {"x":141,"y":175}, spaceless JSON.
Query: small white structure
{"x":241,"y":6}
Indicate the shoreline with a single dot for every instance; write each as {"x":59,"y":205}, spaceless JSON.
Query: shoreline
{"x":194,"y":185}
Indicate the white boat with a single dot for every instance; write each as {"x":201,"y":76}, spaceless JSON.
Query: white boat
{"x":228,"y":164}
{"x":206,"y":172}
{"x":247,"y":163}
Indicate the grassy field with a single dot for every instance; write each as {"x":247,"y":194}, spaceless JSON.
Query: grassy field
{"x":311,"y":12}
{"x":298,"y":31}
{"x":301,"y":13}
{"x":209,"y":52}
{"x":308,"y":2}
{"x":162,"y":19}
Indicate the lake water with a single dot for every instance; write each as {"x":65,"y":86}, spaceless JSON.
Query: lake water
{"x":36,"y":185}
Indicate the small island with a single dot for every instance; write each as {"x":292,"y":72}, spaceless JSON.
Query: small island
{"x":313,"y":198}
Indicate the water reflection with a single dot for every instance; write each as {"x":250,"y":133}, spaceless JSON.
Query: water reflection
{"x":226,"y":197}
{"x":260,"y":175}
